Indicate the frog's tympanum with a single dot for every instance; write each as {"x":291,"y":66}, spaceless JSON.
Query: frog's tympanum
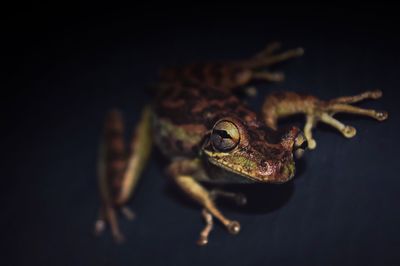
{"x":209,"y":135}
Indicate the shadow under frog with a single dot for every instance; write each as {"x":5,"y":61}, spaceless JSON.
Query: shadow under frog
{"x":260,"y":198}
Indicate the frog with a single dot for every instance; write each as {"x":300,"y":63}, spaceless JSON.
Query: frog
{"x":210,"y":136}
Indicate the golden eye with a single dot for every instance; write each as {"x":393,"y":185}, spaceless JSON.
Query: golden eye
{"x":225,"y":136}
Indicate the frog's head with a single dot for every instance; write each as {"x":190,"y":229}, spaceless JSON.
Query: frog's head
{"x":253,"y":151}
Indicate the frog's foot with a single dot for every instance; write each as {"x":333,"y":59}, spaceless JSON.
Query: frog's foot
{"x":290,"y":103}
{"x":267,"y":57}
{"x":239,"y":198}
{"x":99,"y":227}
{"x":108,"y":215}
{"x":128,"y":213}
{"x":343,"y":105}
{"x":204,"y":197}
{"x":269,"y":76}
{"x":233,"y":228}
{"x":268,"y":50}
{"x":203,"y":240}
{"x":240,"y":73}
{"x":113,"y":221}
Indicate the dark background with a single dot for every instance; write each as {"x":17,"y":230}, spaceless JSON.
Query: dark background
{"x":65,"y":66}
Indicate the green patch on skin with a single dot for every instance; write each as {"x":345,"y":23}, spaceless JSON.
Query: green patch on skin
{"x":234,"y":161}
{"x":243,"y":161}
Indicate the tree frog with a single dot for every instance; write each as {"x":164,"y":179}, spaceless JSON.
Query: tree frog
{"x":209,"y":135}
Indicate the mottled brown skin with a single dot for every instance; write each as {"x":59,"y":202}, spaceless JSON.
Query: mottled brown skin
{"x":229,"y":75}
{"x":204,"y":108}
{"x":115,"y":158}
{"x":209,"y":135}
{"x":112,"y":165}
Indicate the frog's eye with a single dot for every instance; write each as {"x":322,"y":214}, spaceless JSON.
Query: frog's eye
{"x":225,"y":136}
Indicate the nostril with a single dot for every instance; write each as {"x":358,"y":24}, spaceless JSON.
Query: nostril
{"x":263,"y":163}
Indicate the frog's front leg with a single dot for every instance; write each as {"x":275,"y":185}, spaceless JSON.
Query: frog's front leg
{"x":279,"y":105}
{"x":203,"y":197}
{"x":247,"y":70}
{"x":183,"y":173}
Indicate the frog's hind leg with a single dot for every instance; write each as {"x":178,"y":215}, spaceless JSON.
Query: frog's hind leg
{"x":118,"y":175}
{"x":108,"y":215}
{"x":140,"y":151}
{"x":128,"y":213}
{"x":230,"y":75}
{"x":267,"y":58}
{"x":251,"y":69}
{"x":272,"y":59}
{"x":111,"y":165}
{"x":245,"y":71}
{"x":208,"y":219}
{"x":268,"y":50}
{"x":269,"y":76}
{"x":112,"y":219}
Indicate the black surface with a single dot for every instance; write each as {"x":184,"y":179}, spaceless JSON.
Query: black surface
{"x":67,"y":67}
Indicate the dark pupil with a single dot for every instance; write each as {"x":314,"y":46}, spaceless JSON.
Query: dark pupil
{"x":222,"y":133}
{"x":222,"y":140}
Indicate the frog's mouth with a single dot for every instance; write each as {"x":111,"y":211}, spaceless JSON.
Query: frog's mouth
{"x":233,"y":170}
{"x":276,"y":172}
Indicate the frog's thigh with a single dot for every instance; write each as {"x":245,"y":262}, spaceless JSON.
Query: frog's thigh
{"x":202,"y":196}
{"x":140,"y":152}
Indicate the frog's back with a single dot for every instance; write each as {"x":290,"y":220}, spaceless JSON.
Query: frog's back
{"x":184,"y":114}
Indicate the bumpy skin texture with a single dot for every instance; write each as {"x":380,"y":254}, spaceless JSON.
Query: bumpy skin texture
{"x":184,"y":121}
{"x":210,"y":135}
